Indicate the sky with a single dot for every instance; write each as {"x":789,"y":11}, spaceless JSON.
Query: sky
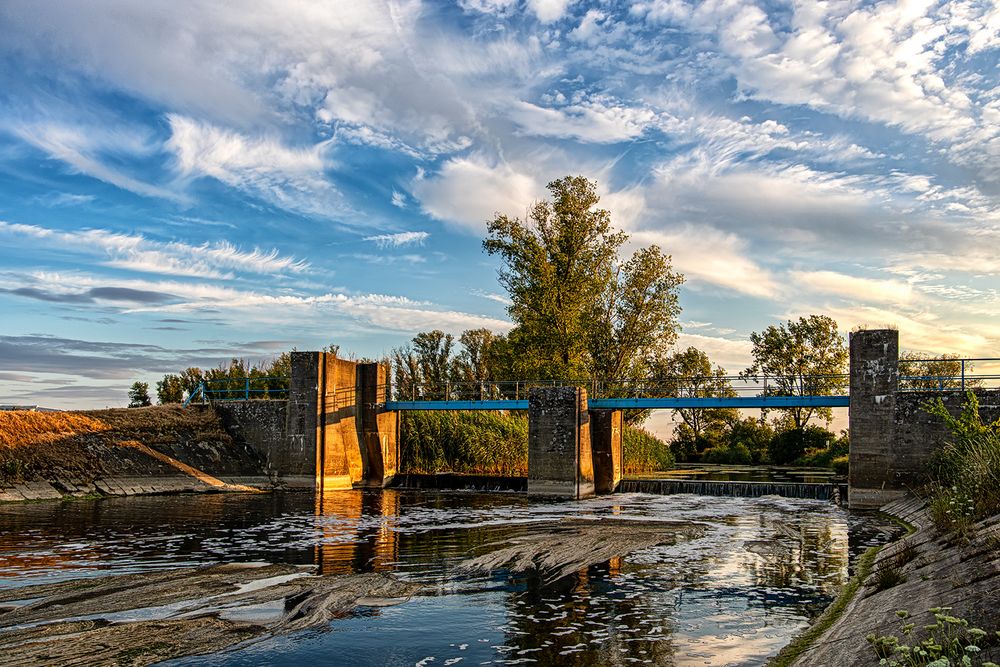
{"x":184,"y":182}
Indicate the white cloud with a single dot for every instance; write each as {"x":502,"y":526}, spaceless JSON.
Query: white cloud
{"x":548,"y":11}
{"x":263,"y":167}
{"x":83,"y":149}
{"x":399,"y":239}
{"x":853,"y":287}
{"x":387,"y":312}
{"x":707,"y":256}
{"x":137,"y":253}
{"x":398,"y":199}
{"x":468,"y":191}
{"x":878,"y":62}
{"x":596,"y":120}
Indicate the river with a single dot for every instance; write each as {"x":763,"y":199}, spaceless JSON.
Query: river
{"x":757,"y":572}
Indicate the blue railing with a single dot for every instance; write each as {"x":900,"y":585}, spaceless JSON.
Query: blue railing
{"x":240,"y":389}
{"x":955,"y":373}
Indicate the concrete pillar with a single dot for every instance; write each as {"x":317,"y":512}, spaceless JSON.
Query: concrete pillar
{"x":874,"y":383}
{"x":295,"y":460}
{"x":559,"y":454}
{"x":378,"y":428}
{"x":606,"y":444}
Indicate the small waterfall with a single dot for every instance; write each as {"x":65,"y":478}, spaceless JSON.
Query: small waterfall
{"x":832,"y":492}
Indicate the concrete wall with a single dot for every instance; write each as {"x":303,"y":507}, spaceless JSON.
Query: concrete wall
{"x":259,"y":426}
{"x":337,"y":434}
{"x":559,"y":454}
{"x":918,"y":434}
{"x":379,"y":428}
{"x":893,"y":438}
{"x":606,"y":446}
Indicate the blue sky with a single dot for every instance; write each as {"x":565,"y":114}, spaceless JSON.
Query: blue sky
{"x":185,"y":182}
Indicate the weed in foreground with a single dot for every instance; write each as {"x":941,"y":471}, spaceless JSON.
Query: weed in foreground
{"x":948,"y":641}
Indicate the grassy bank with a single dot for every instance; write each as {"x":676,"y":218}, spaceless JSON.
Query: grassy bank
{"x":496,"y":443}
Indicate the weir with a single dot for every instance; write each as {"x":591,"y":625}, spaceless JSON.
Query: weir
{"x":339,"y":429}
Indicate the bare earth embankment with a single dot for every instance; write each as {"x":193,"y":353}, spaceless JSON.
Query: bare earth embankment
{"x":121,"y":452}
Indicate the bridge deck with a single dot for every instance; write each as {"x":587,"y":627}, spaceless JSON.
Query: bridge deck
{"x":639,"y":403}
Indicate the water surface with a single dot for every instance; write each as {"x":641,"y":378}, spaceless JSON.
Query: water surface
{"x":762,"y":569}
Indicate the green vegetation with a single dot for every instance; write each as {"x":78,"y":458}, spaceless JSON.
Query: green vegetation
{"x":138,"y":395}
{"x":644,"y":452}
{"x":803,"y":358}
{"x":496,"y":443}
{"x":578,"y":310}
{"x":268,"y":379}
{"x":948,"y":641}
{"x":965,"y":485}
{"x":484,"y":443}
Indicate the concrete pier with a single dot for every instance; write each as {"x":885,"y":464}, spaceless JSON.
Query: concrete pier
{"x":606,"y":446}
{"x":874,"y":385}
{"x":560,"y":464}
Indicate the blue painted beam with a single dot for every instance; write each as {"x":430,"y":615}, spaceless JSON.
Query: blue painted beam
{"x":641,"y":403}
{"x":457,"y":405}
{"x":734,"y":402}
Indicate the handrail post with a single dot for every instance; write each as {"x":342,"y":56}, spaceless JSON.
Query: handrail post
{"x":963,"y":375}
{"x":246,"y":389}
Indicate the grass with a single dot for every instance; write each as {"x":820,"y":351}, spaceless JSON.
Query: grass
{"x":965,"y":479}
{"x":26,"y":429}
{"x":482,"y":443}
{"x":644,"y":452}
{"x":496,"y":443}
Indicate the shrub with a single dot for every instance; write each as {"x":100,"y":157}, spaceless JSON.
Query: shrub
{"x":965,"y":472}
{"x":840,"y":465}
{"x":485,"y":443}
{"x":736,"y":454}
{"x":790,"y":446}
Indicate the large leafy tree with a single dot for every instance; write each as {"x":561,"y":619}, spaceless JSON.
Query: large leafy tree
{"x":804,"y":357}
{"x":577,"y":308}
{"x":920,"y":371}
{"x":689,"y":373}
{"x":635,"y":317}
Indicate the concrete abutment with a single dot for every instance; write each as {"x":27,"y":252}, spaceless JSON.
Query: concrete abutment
{"x":606,"y":446}
{"x":560,"y":463}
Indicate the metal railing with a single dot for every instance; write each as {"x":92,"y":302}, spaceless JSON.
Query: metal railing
{"x":240,"y":389}
{"x":955,"y":374}
{"x":731,"y":386}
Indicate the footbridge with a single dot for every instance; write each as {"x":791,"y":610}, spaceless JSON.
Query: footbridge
{"x":338,"y":427}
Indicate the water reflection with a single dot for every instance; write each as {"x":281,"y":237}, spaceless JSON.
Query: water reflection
{"x":760,"y":571}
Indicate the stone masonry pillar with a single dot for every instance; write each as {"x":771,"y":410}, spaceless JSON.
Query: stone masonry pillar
{"x":378,"y":427}
{"x":606,"y":445}
{"x":295,"y":460}
{"x":874,"y":383}
{"x":559,"y":454}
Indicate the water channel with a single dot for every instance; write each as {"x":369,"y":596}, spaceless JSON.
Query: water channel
{"x":759,"y":571}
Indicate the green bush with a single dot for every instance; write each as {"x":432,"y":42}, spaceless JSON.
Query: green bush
{"x":790,"y":446}
{"x":840,"y":465}
{"x":736,"y":454}
{"x":965,"y":472}
{"x":644,"y":452}
{"x":948,"y":641}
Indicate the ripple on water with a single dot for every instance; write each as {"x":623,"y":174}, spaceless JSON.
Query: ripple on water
{"x":761,"y":569}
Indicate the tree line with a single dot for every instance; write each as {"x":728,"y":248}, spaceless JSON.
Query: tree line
{"x":584,"y":309}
